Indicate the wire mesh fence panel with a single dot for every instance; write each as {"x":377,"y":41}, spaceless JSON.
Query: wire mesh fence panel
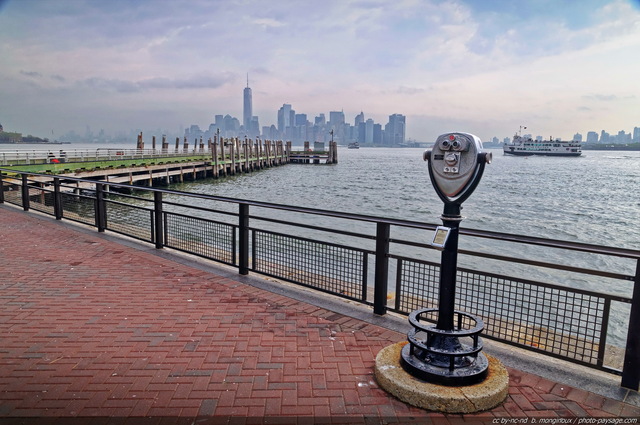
{"x":205,"y":238}
{"x":41,"y":199}
{"x":566,"y":322}
{"x":328,"y":267}
{"x":79,"y":207}
{"x":419,"y":288}
{"x":130,"y":220}
{"x":557,"y":320}
{"x":13,"y":196}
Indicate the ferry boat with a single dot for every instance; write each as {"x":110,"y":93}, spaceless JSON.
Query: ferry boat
{"x":354,"y":145}
{"x":525,"y":147}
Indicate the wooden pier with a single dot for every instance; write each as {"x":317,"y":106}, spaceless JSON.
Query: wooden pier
{"x":158,"y":167}
{"x":317,"y":155}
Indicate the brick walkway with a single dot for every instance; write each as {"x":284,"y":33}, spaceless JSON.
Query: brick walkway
{"x":92,"y":327}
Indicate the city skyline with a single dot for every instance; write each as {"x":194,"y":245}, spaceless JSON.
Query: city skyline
{"x":482,"y":67}
{"x":299,"y":128}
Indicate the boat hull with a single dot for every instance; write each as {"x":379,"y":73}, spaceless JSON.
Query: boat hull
{"x":520,"y":153}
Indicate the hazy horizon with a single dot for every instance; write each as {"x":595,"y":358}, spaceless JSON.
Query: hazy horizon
{"x":485,"y":67}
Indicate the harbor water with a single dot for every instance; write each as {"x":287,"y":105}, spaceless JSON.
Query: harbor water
{"x":592,"y":199}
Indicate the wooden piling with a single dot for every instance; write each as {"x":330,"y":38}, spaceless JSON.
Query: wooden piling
{"x":306,"y":149}
{"x":214,"y":156}
{"x":224,"y":161}
{"x":246,"y":155}
{"x":335,"y":153}
{"x":233,"y":158}
{"x":165,"y":144}
{"x":140,"y":144}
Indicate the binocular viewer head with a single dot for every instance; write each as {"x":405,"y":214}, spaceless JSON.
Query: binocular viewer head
{"x":456,"y":162}
{"x":453,"y":142}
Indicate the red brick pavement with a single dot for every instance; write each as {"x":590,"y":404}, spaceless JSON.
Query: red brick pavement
{"x":91,"y":327}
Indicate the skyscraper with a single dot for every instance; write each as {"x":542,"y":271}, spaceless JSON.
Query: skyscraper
{"x":395,"y":129}
{"x":284,"y":118}
{"x":247,"y":112}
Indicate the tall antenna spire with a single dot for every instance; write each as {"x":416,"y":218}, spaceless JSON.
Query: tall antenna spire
{"x":247,"y":79}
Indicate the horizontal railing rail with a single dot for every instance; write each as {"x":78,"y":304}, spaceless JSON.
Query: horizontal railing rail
{"x":553,"y":297}
{"x":29,"y":157}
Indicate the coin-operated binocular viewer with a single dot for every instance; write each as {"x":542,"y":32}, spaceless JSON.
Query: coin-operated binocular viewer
{"x":449,"y":352}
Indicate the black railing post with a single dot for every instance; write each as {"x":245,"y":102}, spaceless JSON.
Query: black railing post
{"x":57,"y":199}
{"x":101,"y":211}
{"x":631,"y":367}
{"x":381,"y":282}
{"x":158,"y":221}
{"x":1,"y":189}
{"x":25,"y":192}
{"x":243,"y":237}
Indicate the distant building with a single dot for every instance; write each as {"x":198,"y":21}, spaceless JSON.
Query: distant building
{"x":378,"y":134}
{"x":592,"y":137}
{"x":577,"y":137}
{"x":247,"y":110}
{"x":336,"y":118}
{"x":284,"y":118}
{"x":635,"y":139}
{"x":337,"y":124}
{"x":394,"y":131}
{"x":368,"y":131}
{"x":254,"y":127}
{"x":623,"y":137}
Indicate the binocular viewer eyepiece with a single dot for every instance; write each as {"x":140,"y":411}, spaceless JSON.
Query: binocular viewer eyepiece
{"x":456,"y":162}
{"x":453,"y":142}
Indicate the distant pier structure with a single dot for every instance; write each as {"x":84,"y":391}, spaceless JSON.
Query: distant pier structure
{"x":216,"y":158}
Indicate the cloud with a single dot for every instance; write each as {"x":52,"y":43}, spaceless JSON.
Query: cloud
{"x":32,"y":74}
{"x":266,"y":23}
{"x":411,"y":90}
{"x":609,"y":97}
{"x":197,"y":82}
{"x":602,"y":97}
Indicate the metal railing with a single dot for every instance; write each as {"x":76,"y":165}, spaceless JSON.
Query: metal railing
{"x":33,"y":157}
{"x":553,"y":306}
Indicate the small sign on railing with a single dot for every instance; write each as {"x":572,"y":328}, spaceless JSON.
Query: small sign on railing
{"x":440,"y":237}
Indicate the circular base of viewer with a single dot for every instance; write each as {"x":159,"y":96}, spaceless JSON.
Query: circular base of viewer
{"x":466,"y":399}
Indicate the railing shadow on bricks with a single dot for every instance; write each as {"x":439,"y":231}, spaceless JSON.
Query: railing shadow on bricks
{"x":573,"y":301}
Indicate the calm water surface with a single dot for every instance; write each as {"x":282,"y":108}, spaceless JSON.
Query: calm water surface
{"x":592,"y":199}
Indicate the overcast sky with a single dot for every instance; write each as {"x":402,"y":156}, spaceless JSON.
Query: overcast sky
{"x":480,"y":66}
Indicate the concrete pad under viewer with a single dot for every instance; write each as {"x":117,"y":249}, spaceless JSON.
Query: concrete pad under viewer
{"x":466,"y":399}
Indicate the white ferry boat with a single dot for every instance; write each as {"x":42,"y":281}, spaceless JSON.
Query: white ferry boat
{"x":524,"y":147}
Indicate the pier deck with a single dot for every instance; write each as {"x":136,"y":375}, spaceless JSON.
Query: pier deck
{"x":95,"y":325}
{"x":146,"y":167}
